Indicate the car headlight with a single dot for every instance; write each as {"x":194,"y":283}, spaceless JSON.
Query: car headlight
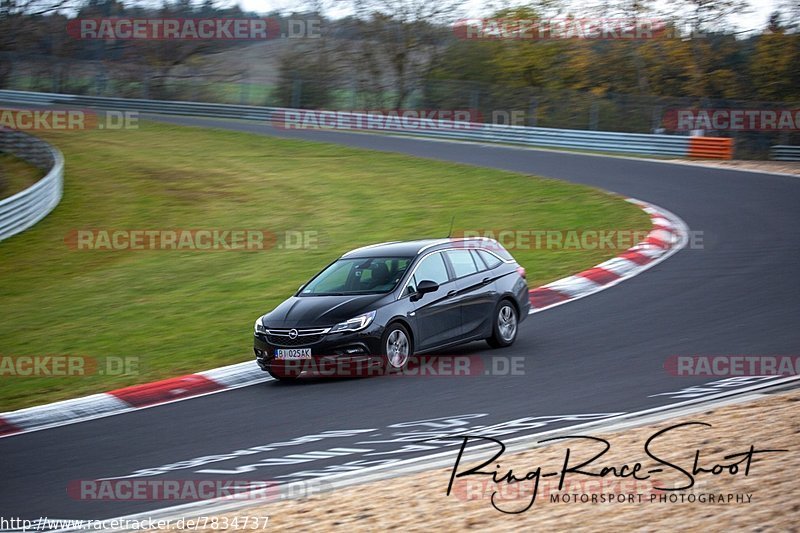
{"x":354,"y":324}
{"x":259,"y":326}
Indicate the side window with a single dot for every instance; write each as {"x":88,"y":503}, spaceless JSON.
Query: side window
{"x":480,"y":263}
{"x":491,"y":260}
{"x":462,"y":262}
{"x":431,"y":268}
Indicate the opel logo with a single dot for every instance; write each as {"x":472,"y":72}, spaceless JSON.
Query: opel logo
{"x":292,"y":333}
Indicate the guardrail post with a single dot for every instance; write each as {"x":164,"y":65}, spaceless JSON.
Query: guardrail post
{"x":533,"y":111}
{"x":594,"y":115}
{"x":297,"y":86}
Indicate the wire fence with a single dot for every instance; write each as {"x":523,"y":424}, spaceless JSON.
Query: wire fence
{"x":499,"y":104}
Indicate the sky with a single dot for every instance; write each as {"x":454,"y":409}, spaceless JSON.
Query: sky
{"x":756,"y":19}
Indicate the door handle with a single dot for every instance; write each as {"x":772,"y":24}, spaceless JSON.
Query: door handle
{"x":451,"y":293}
{"x":486,"y":280}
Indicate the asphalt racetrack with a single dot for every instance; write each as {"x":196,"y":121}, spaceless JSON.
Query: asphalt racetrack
{"x":590,"y":358}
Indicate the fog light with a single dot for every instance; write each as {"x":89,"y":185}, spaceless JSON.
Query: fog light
{"x":354,"y":350}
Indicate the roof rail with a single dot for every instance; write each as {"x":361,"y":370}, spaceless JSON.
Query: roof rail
{"x":369,"y":246}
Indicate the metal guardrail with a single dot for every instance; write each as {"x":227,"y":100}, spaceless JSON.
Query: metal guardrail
{"x":625,"y":143}
{"x":785,"y":153}
{"x":24,"y":209}
{"x":665,"y":145}
{"x":167,"y":107}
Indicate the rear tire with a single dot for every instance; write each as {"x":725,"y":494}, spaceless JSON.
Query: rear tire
{"x":505,"y":325}
{"x":396,"y":347}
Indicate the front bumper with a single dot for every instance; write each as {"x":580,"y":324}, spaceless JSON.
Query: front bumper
{"x":334,"y":355}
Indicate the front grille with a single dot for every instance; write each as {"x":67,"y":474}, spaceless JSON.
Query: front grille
{"x":278,"y":340}
{"x":281,"y":337}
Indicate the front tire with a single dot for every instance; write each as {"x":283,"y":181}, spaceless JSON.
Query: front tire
{"x":396,"y":347}
{"x":505,"y":325}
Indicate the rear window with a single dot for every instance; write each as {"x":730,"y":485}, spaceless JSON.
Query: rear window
{"x":497,"y":249}
{"x":484,"y":243}
{"x":491,"y":260}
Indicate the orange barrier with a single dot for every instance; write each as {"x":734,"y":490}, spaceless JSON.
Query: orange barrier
{"x":710,"y":148}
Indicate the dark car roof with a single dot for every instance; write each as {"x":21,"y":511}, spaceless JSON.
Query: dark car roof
{"x":394,"y":249}
{"x":404,"y":248}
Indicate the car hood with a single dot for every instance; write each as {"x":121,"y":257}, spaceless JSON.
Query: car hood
{"x":311,"y":311}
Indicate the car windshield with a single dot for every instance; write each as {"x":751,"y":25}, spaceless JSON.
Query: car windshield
{"x":365,"y":275}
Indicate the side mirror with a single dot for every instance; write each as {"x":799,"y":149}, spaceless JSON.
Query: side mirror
{"x":425,"y":286}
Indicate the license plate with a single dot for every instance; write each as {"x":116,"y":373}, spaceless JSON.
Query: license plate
{"x":293,"y":353}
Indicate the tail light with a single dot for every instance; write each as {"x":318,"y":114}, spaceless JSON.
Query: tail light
{"x":522,"y":273}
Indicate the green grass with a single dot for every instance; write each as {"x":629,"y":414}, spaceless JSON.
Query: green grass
{"x":184,"y":311}
{"x":16,"y":175}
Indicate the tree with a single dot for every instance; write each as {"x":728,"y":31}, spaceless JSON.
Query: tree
{"x":402,"y":38}
{"x":20,"y":23}
{"x":774,"y":65}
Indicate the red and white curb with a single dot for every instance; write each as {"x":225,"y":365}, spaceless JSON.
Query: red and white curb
{"x":130,"y":398}
{"x":669,"y":234}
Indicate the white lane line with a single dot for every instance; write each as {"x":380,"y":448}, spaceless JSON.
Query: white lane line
{"x":444,"y":459}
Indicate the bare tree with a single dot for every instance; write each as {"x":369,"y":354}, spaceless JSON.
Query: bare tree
{"x":402,"y":37}
{"x":790,"y":14}
{"x":704,"y":16}
{"x":20,"y":21}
